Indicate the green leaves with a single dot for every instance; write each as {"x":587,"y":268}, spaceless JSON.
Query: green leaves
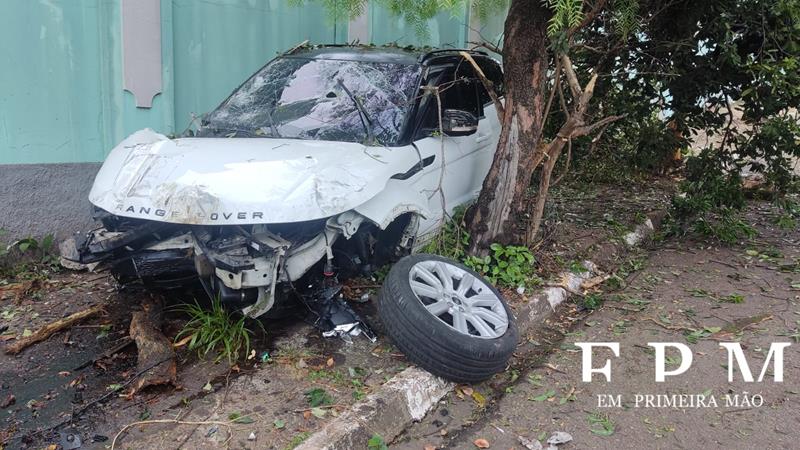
{"x":693,"y":336}
{"x":509,"y":266}
{"x":240,"y":419}
{"x":376,"y":442}
{"x":543,"y":397}
{"x":216,"y":329}
{"x":318,"y":397}
{"x":601,"y":425}
{"x":566,"y":14}
{"x":625,"y":17}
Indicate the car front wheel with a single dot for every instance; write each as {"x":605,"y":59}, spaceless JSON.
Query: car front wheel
{"x":446,"y":318}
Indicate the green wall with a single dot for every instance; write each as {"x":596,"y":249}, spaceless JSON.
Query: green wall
{"x":61,"y":96}
{"x":445,"y":30}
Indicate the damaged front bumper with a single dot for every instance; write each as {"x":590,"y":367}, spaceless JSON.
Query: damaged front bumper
{"x":249,"y":267}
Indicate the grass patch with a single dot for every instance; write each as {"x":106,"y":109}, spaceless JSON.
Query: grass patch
{"x":216,"y":329}
{"x":297,"y":440}
{"x":29,"y":258}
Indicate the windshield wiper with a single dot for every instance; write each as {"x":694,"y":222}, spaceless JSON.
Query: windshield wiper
{"x":362,"y":113}
{"x":272,"y":126}
{"x":232,"y":132}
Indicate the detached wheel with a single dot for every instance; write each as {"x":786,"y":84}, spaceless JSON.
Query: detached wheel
{"x":446,"y":318}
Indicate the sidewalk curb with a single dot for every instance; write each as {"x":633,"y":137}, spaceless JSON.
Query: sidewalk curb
{"x":409,"y":395}
{"x":404,"y":399}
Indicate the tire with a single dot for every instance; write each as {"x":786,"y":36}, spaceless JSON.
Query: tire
{"x":433,"y":342}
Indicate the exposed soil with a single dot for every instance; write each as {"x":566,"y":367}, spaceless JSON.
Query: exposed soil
{"x":53,"y":379}
{"x":688,"y":291}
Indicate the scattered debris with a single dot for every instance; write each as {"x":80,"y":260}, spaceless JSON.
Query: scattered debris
{"x":70,"y":440}
{"x":16,"y":291}
{"x":330,"y":313}
{"x":155,"y":350}
{"x":530,"y":444}
{"x":559,"y":437}
{"x":9,"y":400}
{"x":106,"y":354}
{"x":481,"y":443}
{"x":183,"y":341}
{"x":50,"y":329}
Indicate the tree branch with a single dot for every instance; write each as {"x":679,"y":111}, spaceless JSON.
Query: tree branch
{"x":487,"y":46}
{"x":572,"y":79}
{"x":566,"y":166}
{"x":486,"y":84}
{"x":586,"y":129}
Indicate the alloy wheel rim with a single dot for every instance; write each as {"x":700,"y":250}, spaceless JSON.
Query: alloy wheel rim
{"x":459,"y":299}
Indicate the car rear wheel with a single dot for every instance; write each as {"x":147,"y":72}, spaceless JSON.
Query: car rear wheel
{"x":446,"y":318}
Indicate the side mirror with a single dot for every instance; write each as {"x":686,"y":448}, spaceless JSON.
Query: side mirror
{"x":459,"y":123}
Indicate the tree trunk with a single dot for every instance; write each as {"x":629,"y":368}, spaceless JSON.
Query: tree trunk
{"x":502,"y":202}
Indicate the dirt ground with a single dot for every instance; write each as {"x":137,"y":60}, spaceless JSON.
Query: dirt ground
{"x":77,"y":379}
{"x":687,"y":291}
{"x":266,"y":393}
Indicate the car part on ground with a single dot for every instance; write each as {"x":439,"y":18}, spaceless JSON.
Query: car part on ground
{"x":328,"y":311}
{"x":447,"y":318}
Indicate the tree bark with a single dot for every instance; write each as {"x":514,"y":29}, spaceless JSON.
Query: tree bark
{"x":156,"y":361}
{"x":502,"y":202}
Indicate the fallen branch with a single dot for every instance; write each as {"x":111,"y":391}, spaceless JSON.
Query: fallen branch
{"x":320,"y":407}
{"x":594,"y":281}
{"x":18,"y":290}
{"x":50,"y":329}
{"x":486,"y":84}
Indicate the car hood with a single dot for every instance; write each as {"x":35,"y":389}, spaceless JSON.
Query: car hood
{"x":221,"y":181}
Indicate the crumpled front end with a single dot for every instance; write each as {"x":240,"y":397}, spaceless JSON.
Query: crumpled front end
{"x":248,"y":267}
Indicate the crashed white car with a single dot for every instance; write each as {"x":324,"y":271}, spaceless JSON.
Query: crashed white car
{"x":327,"y":163}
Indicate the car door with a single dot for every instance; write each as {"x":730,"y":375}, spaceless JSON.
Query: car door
{"x":458,"y":164}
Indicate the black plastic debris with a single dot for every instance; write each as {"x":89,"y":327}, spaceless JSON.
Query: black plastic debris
{"x":329,"y":312}
{"x":70,"y":440}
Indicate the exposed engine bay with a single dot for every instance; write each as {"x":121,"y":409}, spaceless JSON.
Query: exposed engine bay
{"x":259,"y":269}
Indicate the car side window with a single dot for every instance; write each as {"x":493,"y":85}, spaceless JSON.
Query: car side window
{"x":494,"y":74}
{"x":458,"y":89}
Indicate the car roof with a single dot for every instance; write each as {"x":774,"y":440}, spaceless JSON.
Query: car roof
{"x":384,"y":54}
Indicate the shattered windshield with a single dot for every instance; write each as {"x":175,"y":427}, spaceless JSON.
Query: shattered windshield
{"x":308,"y":99}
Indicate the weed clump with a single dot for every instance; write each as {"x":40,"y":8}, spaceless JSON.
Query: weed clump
{"x":509,"y":266}
{"x":215,"y":329}
{"x":29,"y":258}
